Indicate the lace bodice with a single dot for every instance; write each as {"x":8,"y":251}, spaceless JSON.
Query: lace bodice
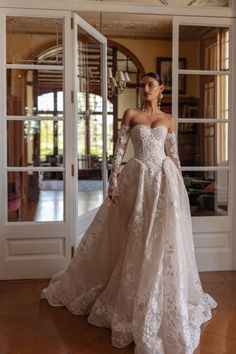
{"x":149,"y":144}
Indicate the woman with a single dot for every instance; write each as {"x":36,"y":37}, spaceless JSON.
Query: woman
{"x":134,"y":270}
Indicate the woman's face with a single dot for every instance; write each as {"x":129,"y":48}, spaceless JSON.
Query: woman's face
{"x":150,"y":88}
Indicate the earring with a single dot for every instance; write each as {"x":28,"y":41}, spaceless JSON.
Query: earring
{"x":160,"y":97}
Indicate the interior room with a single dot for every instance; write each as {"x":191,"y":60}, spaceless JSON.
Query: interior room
{"x":68,"y":71}
{"x":42,"y":141}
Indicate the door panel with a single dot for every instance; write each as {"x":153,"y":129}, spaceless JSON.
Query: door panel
{"x":36,"y":220}
{"x":201,"y":102}
{"x":91,"y":103}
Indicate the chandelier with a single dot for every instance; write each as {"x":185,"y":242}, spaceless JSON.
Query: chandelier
{"x":117,"y":84}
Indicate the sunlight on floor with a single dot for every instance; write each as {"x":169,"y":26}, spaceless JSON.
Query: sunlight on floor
{"x":50,"y":205}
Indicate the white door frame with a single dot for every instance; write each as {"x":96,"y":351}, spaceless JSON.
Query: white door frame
{"x":85,"y":219}
{"x":212,"y":234}
{"x":103,"y":41}
{"x":37,"y":249}
{"x":233,"y":143}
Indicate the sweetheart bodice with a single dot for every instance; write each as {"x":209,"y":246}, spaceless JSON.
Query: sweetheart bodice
{"x":149,"y":144}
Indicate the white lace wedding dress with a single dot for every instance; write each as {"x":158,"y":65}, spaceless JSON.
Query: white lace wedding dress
{"x":134,"y":270}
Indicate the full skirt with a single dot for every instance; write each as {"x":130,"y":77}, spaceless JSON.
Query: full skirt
{"x":134,"y":271}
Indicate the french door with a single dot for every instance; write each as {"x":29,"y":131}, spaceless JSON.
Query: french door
{"x":204,"y":132}
{"x":90,"y":87}
{"x":37,"y":188}
{"x":43,"y":75}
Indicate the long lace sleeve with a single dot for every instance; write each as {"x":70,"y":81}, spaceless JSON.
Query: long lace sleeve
{"x":171,"y":149}
{"x":121,"y":145}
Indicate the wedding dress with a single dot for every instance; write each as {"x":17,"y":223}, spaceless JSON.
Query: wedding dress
{"x":135,"y":270}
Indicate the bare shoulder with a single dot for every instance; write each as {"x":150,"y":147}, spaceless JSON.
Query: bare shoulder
{"x":128,"y":115}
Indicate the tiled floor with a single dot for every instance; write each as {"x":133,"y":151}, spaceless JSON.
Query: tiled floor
{"x":28,"y":326}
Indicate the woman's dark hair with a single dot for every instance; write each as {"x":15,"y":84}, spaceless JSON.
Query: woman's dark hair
{"x":154,"y":76}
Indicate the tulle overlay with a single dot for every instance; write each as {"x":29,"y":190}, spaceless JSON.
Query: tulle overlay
{"x":134,"y":270}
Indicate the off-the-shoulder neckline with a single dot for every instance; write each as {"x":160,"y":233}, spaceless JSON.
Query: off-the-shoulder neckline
{"x":148,"y":127}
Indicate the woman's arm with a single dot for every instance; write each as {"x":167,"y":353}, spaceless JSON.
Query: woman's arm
{"x":120,"y":148}
{"x":171,"y":144}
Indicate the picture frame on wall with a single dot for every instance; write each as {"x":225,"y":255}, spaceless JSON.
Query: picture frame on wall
{"x":164,"y":70}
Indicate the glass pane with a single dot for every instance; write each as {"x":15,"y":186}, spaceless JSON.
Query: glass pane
{"x":35,"y":196}
{"x":203,"y":47}
{"x":207,"y":191}
{"x":34,"y":40}
{"x":203,"y":144}
{"x":35,"y":143}
{"x":34,"y":92}
{"x":96,"y":142}
{"x":110,"y":143}
{"x":89,"y":123}
{"x":121,"y":65}
{"x":207,"y":96}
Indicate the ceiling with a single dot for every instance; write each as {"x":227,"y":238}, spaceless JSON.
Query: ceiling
{"x":131,"y":26}
{"x":124,"y":25}
{"x":207,"y":3}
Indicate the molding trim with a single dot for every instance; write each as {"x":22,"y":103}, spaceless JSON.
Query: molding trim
{"x":107,"y":6}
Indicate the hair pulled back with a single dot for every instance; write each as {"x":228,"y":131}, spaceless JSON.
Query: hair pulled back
{"x":153,"y":75}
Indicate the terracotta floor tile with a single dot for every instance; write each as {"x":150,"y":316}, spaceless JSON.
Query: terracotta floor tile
{"x":211,"y":276}
{"x":40,"y":331}
{"x":34,"y":332}
{"x":6,"y":307}
{"x":18,"y":287}
{"x":224,"y":298}
{"x":229,"y":287}
{"x":129,"y":349}
{"x":5,"y":331}
{"x":82,"y":326}
{"x":2,"y":285}
{"x":43,"y":348}
{"x":215,"y":344}
{"x":102,"y":346}
{"x":200,"y":351}
{"x":2,"y":352}
{"x":69,"y":340}
{"x":229,"y":275}
{"x":231,"y":350}
{"x":224,"y":328}
{"x":31,"y":326}
{"x":16,"y":319}
{"x":210,"y":286}
{"x":223,"y":313}
{"x":59,"y":317}
{"x":18,"y":342}
{"x":31,"y":304}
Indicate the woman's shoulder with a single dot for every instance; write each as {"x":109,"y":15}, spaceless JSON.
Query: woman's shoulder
{"x":168,"y":116}
{"x":129,"y":115}
{"x":171,"y":120}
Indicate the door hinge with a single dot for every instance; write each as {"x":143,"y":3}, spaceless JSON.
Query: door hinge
{"x":72,"y":23}
{"x":72,"y":96}
{"x":72,"y":251}
{"x":72,"y":170}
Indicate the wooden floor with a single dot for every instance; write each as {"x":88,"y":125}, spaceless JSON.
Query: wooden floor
{"x":28,"y":326}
